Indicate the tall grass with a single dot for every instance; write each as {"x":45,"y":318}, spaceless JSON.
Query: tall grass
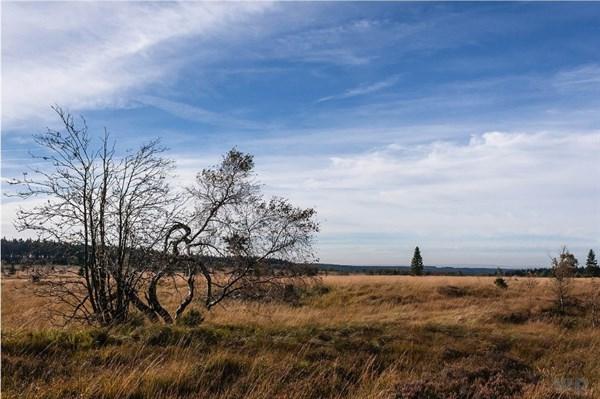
{"x":362,"y":337}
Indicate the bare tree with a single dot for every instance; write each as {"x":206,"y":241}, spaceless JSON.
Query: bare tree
{"x":563,"y":270}
{"x":234,"y":240}
{"x":135,"y":231}
{"x":117,"y":208}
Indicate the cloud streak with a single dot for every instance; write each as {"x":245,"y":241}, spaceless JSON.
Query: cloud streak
{"x":198,"y":114}
{"x":95,"y":55}
{"x":362,"y":90}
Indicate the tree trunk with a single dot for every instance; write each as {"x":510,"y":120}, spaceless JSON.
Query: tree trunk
{"x":142,"y":307}
{"x":153,"y":299}
{"x":190,"y":295}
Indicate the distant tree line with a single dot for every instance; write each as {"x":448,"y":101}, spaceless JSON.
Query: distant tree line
{"x":30,"y":252}
{"x":590,"y":269}
{"x":47,"y":252}
{"x":40,"y":252}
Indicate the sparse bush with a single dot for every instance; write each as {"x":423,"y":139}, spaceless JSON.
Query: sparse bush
{"x":563,"y":270}
{"x":35,"y":276}
{"x":531,"y":282}
{"x":500,"y":283}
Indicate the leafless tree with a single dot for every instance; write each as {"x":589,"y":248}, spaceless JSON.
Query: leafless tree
{"x":117,"y":208}
{"x":232,"y":240}
{"x":136,"y":231}
{"x":563,"y":270}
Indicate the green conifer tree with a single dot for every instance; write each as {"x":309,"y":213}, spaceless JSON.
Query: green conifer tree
{"x":591,"y":265}
{"x":416,"y":265}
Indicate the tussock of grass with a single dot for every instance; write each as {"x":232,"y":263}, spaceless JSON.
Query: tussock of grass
{"x":47,"y":342}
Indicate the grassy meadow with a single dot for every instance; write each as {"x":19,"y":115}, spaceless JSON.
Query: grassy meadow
{"x":347,"y":337}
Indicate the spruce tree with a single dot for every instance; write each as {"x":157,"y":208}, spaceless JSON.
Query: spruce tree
{"x":416,"y":265}
{"x":591,"y":264}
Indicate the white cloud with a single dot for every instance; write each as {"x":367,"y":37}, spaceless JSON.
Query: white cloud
{"x":362,"y":89}
{"x":500,"y":198}
{"x":488,"y":193}
{"x":91,"y":55}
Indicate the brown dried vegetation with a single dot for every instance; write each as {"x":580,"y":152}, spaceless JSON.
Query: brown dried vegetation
{"x":354,"y":336}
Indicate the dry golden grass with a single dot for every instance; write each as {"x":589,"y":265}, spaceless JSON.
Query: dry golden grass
{"x":364,"y":337}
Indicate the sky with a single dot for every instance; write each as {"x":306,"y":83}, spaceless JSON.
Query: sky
{"x":469,"y":129}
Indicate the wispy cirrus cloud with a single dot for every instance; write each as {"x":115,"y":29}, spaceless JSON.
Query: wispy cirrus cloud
{"x":199,"y":114}
{"x":362,"y":90}
{"x":584,"y":77}
{"x":93,"y":55}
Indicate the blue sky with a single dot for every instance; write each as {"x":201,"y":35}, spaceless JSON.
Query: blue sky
{"x":469,"y":129}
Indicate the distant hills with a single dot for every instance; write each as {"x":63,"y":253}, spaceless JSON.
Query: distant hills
{"x":400,"y":270}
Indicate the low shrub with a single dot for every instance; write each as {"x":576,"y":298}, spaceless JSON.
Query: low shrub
{"x":482,"y":376}
{"x":500,"y":283}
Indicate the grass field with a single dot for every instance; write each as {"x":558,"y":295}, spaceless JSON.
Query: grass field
{"x":351,"y":337}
